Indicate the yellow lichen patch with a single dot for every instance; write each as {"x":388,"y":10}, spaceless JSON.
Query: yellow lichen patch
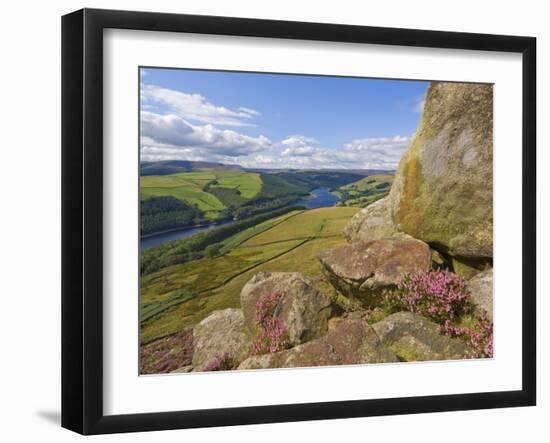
{"x":408,"y":215}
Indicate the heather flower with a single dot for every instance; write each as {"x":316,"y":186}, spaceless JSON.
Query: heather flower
{"x":272,"y":337}
{"x":167,"y":354}
{"x":438,"y":295}
{"x":441,"y":296}
{"x":478,"y":338}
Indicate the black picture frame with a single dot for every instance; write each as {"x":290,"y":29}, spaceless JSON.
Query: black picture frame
{"x":82,"y":218}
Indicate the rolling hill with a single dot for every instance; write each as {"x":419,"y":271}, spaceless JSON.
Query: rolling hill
{"x":212,"y":192}
{"x":183,"y":294}
{"x":365,"y":191}
{"x":174,"y":166}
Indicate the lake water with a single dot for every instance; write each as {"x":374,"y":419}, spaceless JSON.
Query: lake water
{"x":319,"y":198}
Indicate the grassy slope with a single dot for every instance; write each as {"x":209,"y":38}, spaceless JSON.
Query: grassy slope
{"x":248,"y":184}
{"x":288,"y":243}
{"x":364,"y":192}
{"x":189,"y":187}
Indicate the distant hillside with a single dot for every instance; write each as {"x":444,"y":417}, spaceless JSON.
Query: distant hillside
{"x":201,"y":196}
{"x":362,"y":172}
{"x":363,"y":192}
{"x":174,"y":166}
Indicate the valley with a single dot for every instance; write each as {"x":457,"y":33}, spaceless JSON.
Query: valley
{"x":220,"y":226}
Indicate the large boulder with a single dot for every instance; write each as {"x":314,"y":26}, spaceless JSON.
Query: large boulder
{"x":220,"y":335}
{"x":371,"y":223}
{"x":352,"y":341}
{"x":415,"y":338}
{"x":443,"y":189}
{"x":480,"y":289}
{"x":363,"y":269}
{"x":304,"y":310}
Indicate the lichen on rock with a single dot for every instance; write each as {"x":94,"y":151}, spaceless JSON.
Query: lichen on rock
{"x":443,"y":192}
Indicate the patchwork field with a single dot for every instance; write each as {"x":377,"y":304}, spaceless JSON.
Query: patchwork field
{"x":247,"y":183}
{"x":190,"y":187}
{"x":365,"y":191}
{"x":181,"y":295}
{"x":185,"y":199}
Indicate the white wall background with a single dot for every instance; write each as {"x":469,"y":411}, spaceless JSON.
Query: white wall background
{"x":30,"y":221}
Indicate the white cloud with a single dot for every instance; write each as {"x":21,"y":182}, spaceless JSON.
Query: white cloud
{"x":173,"y":137}
{"x":249,"y":111}
{"x":294,"y":141}
{"x":367,"y":153}
{"x":195,"y":107}
{"x":170,"y":136}
{"x":385,"y":152}
{"x":301,"y":151}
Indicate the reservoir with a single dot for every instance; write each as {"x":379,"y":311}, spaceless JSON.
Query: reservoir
{"x":318,"y":198}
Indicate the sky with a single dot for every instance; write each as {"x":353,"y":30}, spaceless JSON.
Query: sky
{"x":273,"y":121}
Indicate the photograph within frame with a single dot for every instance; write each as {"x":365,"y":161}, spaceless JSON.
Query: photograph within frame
{"x":84,"y":385}
{"x":366,"y":272}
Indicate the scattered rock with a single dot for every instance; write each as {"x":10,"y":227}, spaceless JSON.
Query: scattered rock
{"x":415,"y":338}
{"x":442,"y":192}
{"x":371,"y":223}
{"x":364,"y":269}
{"x":222,"y":332}
{"x":352,"y":341}
{"x":303,"y":308}
{"x":480,"y":289}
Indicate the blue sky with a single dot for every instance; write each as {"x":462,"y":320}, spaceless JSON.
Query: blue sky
{"x":277,"y":120}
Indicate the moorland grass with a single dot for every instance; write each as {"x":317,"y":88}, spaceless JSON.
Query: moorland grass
{"x":289,"y":243}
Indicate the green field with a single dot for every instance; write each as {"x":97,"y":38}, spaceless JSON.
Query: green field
{"x":181,"y":295}
{"x":248,"y":184}
{"x":191,"y":187}
{"x":363,"y":192}
{"x":219,"y":193}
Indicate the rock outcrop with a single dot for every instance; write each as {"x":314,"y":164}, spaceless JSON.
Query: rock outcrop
{"x":415,"y":338}
{"x":442,"y":192}
{"x":350,"y":342}
{"x":304,"y":310}
{"x":374,"y":222}
{"x":363,"y":269}
{"x":480,"y":289}
{"x":222,"y":333}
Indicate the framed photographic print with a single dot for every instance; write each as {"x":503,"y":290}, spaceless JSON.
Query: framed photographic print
{"x":269,"y":221}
